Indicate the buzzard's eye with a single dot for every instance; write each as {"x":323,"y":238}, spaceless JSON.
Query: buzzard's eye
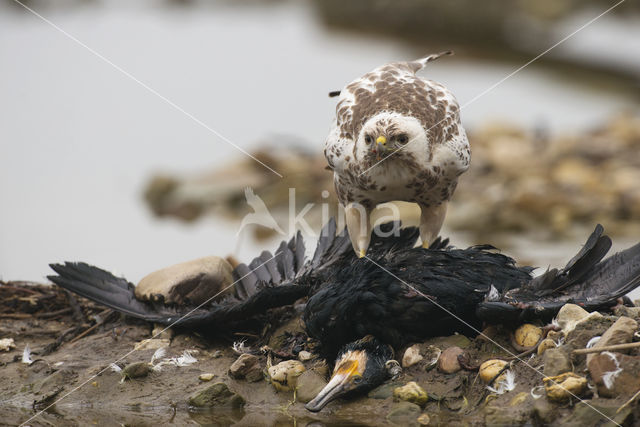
{"x":403,"y":139}
{"x":368,"y":139}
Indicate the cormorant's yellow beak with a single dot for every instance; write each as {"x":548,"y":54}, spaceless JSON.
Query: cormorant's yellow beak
{"x":341,"y":382}
{"x":381,"y":140}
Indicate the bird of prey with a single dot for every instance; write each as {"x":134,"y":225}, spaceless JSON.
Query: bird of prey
{"x":396,"y":136}
{"x":360,"y":310}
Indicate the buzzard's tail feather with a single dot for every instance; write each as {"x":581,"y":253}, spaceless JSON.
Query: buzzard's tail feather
{"x":419,"y":64}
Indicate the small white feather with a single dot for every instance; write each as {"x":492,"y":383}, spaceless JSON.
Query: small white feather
{"x":505,"y":384}
{"x":593,"y":341}
{"x":26,"y":355}
{"x":115,"y":368}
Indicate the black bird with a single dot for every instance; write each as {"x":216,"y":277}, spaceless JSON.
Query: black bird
{"x":397,"y":295}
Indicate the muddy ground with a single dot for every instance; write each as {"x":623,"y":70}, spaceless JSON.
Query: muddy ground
{"x":70,"y":369}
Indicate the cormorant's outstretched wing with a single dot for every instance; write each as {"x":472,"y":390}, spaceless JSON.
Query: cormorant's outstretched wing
{"x":268,"y":281}
{"x":586,"y":280}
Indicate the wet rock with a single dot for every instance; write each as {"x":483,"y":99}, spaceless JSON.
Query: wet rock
{"x":411,"y":392}
{"x":448,"y":362}
{"x":565,"y":386}
{"x":206,"y":377}
{"x":411,"y":356}
{"x":284,"y":375}
{"x":556,"y":362}
{"x":151,"y":344}
{"x":527,"y":335}
{"x":614,"y":373}
{"x":404,"y":413}
{"x":545,"y":345}
{"x":592,"y":413}
{"x":136,"y":370}
{"x":305,"y":356}
{"x":192,"y":282}
{"x":309,"y":384}
{"x":569,"y":315}
{"x":384,"y":391}
{"x":6,"y":344}
{"x":217,"y":395}
{"x":620,"y":332}
{"x":247,"y":366}
{"x":544,"y":411}
{"x":506,"y":416}
{"x":489,"y":369}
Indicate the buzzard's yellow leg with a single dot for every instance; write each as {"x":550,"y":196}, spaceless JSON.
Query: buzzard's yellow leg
{"x":431,"y":221}
{"x":359,"y":227}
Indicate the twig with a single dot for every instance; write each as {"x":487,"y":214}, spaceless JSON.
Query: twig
{"x":91,"y":329}
{"x":607,"y":348}
{"x":47,"y":315}
{"x":628,"y":401}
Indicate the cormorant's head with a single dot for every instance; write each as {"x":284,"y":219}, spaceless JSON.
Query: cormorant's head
{"x":360,"y":366}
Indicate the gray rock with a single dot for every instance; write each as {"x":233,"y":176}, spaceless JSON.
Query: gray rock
{"x":591,"y":413}
{"x":136,"y":370}
{"x":247,"y":366}
{"x":623,"y":310}
{"x":404,"y":413}
{"x":544,"y":411}
{"x":309,"y":384}
{"x":556,"y":362}
{"x":620,"y":332}
{"x":217,"y":395}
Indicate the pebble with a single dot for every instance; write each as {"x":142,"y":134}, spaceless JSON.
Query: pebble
{"x":424,"y":419}
{"x":6,"y":344}
{"x":217,"y":395}
{"x":305,"y":356}
{"x":545,"y":345}
{"x":448,"y":362}
{"x":569,"y":315}
{"x":528,"y":335}
{"x":489,"y":369}
{"x":411,"y":356}
{"x":564,"y":386}
{"x":284,"y":375}
{"x":556,"y":362}
{"x":411,"y":392}
{"x":206,"y":377}
{"x":151,"y":344}
{"x":246,"y":366}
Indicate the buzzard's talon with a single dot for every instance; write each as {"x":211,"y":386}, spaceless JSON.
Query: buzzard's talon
{"x":362,"y":253}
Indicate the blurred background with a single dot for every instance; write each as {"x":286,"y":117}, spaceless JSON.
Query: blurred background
{"x":95,"y":166}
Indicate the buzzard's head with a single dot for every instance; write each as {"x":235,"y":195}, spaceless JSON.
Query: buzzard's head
{"x":387,"y":132}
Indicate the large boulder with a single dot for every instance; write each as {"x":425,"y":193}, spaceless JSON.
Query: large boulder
{"x":192,"y":282}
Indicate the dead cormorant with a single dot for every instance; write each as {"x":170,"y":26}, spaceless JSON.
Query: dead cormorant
{"x":359,"y":309}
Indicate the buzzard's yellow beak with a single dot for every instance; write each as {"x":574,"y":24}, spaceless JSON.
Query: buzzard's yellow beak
{"x":381,"y":140}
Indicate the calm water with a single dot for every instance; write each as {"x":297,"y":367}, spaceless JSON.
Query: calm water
{"x":78,"y":139}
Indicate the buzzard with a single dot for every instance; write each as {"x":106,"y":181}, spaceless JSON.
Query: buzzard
{"x":396,"y":136}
